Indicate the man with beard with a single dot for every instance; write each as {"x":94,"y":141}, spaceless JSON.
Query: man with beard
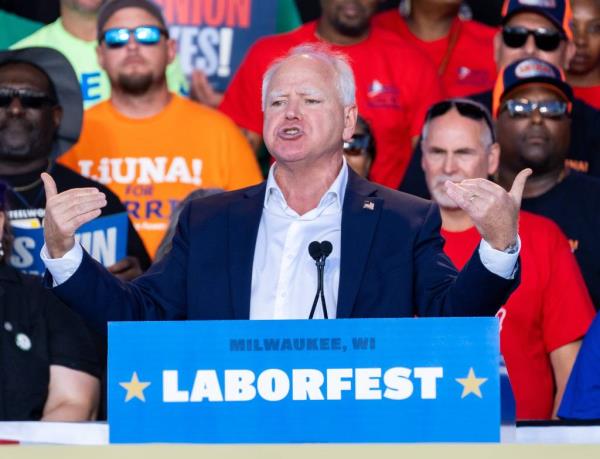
{"x":149,"y":146}
{"x":40,"y":118}
{"x":533,"y":106}
{"x":74,"y":35}
{"x":541,"y":30}
{"x":243,"y":254}
{"x":395,"y":82}
{"x":544,"y":320}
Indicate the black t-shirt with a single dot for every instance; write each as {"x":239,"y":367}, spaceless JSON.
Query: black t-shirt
{"x":31,"y":203}
{"x":584,"y":152}
{"x":574,"y":205}
{"x":36,"y":331}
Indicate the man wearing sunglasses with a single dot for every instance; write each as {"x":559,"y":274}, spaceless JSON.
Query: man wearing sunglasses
{"x":533,"y":106}
{"x":540,"y":29}
{"x":544,"y":319}
{"x":74,"y":35}
{"x":40,"y":119}
{"x":245,"y":254}
{"x":149,"y":146}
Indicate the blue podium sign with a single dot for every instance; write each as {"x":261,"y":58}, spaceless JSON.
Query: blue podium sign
{"x":354,"y":380}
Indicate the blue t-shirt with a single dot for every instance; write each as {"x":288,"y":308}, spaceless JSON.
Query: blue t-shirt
{"x":582,"y":395}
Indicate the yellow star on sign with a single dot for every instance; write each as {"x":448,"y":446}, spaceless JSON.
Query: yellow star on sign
{"x":471,"y":384}
{"x":135,"y":388}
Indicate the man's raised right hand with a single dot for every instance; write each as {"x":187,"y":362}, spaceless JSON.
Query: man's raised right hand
{"x":66,"y":212}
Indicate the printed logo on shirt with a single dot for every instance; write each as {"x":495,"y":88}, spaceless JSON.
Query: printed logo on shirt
{"x":91,"y":86}
{"x":140,"y":178}
{"x":143,"y":170}
{"x":574,"y":243}
{"x":383,"y":96}
{"x":577,"y":165}
{"x":474,"y":77}
{"x":540,"y":3}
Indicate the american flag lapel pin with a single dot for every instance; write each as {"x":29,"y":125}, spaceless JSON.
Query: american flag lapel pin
{"x":369,"y":205}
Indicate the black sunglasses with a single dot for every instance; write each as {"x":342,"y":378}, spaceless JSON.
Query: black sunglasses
{"x":27,"y":98}
{"x":545,"y":39}
{"x":466,"y":108}
{"x":358,"y":144}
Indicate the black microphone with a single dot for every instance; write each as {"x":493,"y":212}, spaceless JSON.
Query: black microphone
{"x":314,"y":250}
{"x":326,"y":249}
{"x":319,"y":251}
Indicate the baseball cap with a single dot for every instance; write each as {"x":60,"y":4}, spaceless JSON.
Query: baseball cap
{"x":112,"y":6}
{"x":557,"y":11}
{"x":527,"y":71}
{"x":66,"y":87}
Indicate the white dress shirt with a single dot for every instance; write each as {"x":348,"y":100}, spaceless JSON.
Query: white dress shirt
{"x":284,"y":276}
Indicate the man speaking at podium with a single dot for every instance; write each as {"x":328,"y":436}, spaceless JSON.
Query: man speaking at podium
{"x":245,"y":254}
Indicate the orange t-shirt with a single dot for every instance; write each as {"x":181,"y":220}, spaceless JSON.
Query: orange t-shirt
{"x":155,"y":162}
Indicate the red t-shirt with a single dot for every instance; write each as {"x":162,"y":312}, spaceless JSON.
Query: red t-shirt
{"x":550,"y":308}
{"x":590,"y":95}
{"x":395,"y":85}
{"x":471,"y":68}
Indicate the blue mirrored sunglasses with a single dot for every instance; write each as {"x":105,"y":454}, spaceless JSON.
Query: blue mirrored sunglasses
{"x":524,"y":108}
{"x":144,"y":35}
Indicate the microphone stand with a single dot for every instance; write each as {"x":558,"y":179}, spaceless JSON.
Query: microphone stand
{"x":320,"y":291}
{"x":319,"y":252}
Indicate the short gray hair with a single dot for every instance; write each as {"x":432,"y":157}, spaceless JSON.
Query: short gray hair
{"x":338,"y":61}
{"x":488,"y":134}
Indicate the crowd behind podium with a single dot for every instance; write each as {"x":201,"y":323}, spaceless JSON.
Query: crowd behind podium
{"x":98,"y":100}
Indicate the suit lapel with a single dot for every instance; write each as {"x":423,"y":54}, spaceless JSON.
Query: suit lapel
{"x":359,"y":219}
{"x":244,"y":218}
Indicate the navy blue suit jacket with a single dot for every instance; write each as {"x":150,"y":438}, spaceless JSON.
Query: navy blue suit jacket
{"x":392,"y":265}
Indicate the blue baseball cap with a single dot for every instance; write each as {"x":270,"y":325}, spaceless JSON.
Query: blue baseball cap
{"x":527,"y":71}
{"x":557,"y":11}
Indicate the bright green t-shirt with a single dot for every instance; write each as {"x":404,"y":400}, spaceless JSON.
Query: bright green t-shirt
{"x":95,"y":86}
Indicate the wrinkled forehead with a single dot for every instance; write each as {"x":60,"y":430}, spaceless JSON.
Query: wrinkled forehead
{"x":23,"y":74}
{"x":303,"y":75}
